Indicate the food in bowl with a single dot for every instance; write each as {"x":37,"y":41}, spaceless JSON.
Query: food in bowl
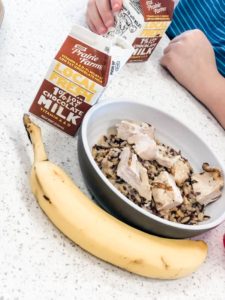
{"x":155,"y":176}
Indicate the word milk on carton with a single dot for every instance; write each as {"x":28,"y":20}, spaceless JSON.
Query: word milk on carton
{"x":157,"y":17}
{"x":79,"y":74}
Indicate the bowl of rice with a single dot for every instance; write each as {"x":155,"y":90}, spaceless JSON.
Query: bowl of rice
{"x":150,"y":171}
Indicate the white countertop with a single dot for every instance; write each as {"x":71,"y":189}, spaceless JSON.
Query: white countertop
{"x":36,"y":260}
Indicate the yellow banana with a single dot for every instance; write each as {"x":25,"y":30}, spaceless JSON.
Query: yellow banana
{"x":98,"y":232}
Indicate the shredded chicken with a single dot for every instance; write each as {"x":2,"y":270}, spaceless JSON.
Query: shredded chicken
{"x":165,"y":158}
{"x":181,"y":171}
{"x":141,"y":136}
{"x":207,"y":185}
{"x":132,"y":172}
{"x":165,"y":192}
{"x":155,"y":176}
{"x":144,"y":147}
{"x":126,"y":129}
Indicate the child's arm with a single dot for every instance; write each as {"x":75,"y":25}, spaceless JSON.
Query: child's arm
{"x":191,"y":60}
{"x":99,"y":14}
{"x":214,"y":98}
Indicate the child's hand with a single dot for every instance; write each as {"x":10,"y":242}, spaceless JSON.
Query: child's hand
{"x":191,"y":60}
{"x":100,"y":14}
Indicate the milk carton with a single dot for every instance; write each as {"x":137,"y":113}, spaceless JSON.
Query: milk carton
{"x":142,"y":23}
{"x":78,"y":75}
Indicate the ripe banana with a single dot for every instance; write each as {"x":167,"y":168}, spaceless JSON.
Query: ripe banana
{"x":98,"y":232}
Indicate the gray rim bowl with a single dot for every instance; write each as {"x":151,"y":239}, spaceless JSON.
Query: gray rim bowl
{"x":108,"y":197}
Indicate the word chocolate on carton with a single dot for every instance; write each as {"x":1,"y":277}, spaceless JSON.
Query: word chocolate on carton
{"x":80,"y":72}
{"x":143,"y":23}
{"x":157,"y":17}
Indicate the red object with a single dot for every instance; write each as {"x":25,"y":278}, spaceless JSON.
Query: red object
{"x":224,"y":240}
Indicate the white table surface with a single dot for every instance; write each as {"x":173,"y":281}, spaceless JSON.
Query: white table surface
{"x":36,"y":260}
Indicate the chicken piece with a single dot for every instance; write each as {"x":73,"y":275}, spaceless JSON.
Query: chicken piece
{"x":165,"y":192}
{"x":207,"y":185}
{"x":133,"y":173}
{"x":181,"y":171}
{"x":126,"y":129}
{"x":141,"y":135}
{"x":166,"y":156}
{"x":144,"y":146}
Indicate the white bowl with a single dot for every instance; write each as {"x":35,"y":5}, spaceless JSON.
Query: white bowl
{"x":170,"y":131}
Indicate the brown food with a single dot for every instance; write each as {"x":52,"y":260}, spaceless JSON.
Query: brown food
{"x":108,"y":152}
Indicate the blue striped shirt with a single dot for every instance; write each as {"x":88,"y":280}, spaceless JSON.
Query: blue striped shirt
{"x":206,"y":15}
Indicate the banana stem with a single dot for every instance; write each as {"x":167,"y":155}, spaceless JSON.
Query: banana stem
{"x":34,"y":134}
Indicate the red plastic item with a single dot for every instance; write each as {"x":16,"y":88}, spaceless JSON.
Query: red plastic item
{"x":224,"y":240}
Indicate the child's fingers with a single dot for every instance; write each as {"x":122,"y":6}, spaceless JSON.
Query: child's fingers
{"x":116,"y":5}
{"x":94,"y":18}
{"x":167,"y":59}
{"x":105,"y":12}
{"x":172,"y":47}
{"x":91,"y":26}
{"x":182,"y":36}
{"x":164,"y":61}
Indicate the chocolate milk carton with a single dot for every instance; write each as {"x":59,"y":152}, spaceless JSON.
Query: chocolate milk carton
{"x":78,"y":75}
{"x":129,"y":22}
{"x":142,"y":23}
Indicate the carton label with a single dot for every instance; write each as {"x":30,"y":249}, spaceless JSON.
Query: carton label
{"x":143,"y":48}
{"x":157,"y":16}
{"x":59,"y":108}
{"x":128,"y":22}
{"x":142,"y":23}
{"x":86,"y":60}
{"x":73,"y":83}
{"x":154,"y":29}
{"x":78,"y":76}
{"x":157,"y":10}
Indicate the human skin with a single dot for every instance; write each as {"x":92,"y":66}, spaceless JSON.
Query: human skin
{"x":191,"y":60}
{"x":99,"y":14}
